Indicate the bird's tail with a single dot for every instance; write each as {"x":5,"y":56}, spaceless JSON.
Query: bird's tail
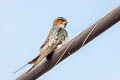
{"x":43,"y":53}
{"x":20,"y":68}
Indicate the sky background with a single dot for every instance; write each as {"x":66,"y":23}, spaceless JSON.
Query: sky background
{"x":24,"y":25}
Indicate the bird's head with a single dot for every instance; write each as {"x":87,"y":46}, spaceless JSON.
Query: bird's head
{"x":60,"y":22}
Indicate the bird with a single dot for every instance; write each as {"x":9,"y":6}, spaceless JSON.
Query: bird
{"x":56,"y":38}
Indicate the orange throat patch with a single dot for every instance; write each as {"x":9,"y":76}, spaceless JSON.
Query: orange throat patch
{"x":58,"y":22}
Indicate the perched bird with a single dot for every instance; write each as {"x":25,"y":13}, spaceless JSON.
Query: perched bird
{"x":56,"y":38}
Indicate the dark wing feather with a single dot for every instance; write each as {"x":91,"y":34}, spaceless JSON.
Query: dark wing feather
{"x":45,"y":42}
{"x":47,"y":39}
{"x":55,"y":39}
{"x":52,"y":31}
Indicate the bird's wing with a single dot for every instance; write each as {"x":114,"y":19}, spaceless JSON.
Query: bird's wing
{"x":47,"y":39}
{"x":45,"y":42}
{"x":55,"y":38}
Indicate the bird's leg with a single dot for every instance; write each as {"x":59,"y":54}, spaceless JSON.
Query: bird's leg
{"x":50,"y":55}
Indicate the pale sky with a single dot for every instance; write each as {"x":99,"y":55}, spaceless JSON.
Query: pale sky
{"x":24,"y":25}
